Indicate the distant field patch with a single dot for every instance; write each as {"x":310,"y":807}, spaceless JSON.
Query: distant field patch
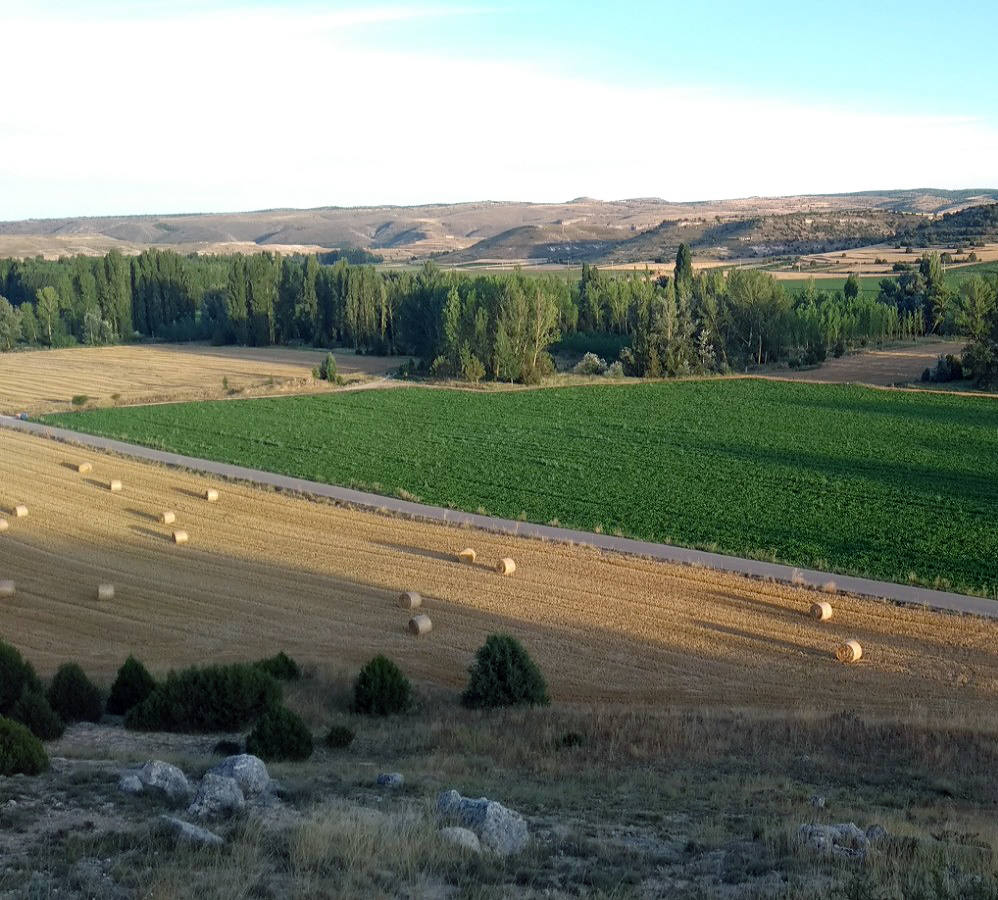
{"x":891,"y":485}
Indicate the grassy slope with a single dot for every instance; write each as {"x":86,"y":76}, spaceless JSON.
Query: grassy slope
{"x":853,"y":479}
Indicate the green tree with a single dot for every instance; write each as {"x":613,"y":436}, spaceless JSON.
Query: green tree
{"x":10,"y":325}
{"x":851,"y":288}
{"x":683,"y":271}
{"x":47,"y":308}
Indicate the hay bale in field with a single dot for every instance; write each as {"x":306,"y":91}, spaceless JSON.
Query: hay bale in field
{"x":821,"y":611}
{"x":115,"y":486}
{"x":180,"y":537}
{"x":829,"y":587}
{"x":105,"y":592}
{"x":419,"y":625}
{"x":6,"y":588}
{"x":467,"y":555}
{"x":84,"y":468}
{"x":168,"y":517}
{"x":506,"y":566}
{"x":4,"y":524}
{"x":410,"y":600}
{"x":20,"y":511}
{"x":848,"y":652}
{"x":211,"y":495}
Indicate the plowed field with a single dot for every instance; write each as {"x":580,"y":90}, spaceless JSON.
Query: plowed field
{"x":264,"y":571}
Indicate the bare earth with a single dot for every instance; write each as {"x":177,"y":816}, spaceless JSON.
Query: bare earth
{"x":264,"y":571}
{"x":42,"y":381}
{"x":896,"y":365}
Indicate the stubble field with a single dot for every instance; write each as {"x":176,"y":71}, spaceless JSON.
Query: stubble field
{"x":264,"y":572}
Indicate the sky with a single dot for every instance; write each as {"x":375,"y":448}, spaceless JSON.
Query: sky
{"x":114,"y":108}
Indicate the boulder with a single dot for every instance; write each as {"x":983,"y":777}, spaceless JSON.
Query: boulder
{"x":500,"y":830}
{"x":249,"y":771}
{"x":877,"y":833}
{"x":166,"y":779}
{"x":463,"y":837}
{"x":391,"y":780}
{"x":130,"y":784}
{"x":217,"y":797}
{"x":190,"y":834}
{"x":846,"y":841}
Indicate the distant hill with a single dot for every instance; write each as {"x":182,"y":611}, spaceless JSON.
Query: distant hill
{"x":458,"y":233}
{"x":978,"y":223}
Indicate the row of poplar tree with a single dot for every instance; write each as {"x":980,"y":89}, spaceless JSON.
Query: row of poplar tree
{"x":498,"y":326}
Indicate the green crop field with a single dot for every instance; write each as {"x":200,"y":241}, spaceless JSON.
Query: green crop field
{"x":894,"y":485}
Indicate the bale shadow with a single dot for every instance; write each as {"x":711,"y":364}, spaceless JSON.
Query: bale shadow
{"x":100,"y":485}
{"x":142,"y":514}
{"x":72,"y":466}
{"x":421,"y":551}
{"x":148,"y":532}
{"x":187,"y":492}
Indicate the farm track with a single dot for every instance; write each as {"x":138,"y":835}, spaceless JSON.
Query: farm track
{"x":266,"y":571}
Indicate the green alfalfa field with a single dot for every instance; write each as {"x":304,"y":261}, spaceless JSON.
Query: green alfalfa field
{"x":894,"y":485}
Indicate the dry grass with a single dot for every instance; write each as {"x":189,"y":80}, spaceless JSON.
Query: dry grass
{"x":322,"y":583}
{"x":42,"y":381}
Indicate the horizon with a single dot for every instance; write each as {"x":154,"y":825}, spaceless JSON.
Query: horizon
{"x":223,"y":107}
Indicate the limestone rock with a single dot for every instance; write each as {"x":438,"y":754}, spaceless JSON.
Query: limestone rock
{"x":218,"y":797}
{"x":192,"y":834}
{"x":463,"y":837}
{"x":391,"y":780}
{"x":169,"y":780}
{"x":249,"y":771}
{"x":130,"y":784}
{"x":846,"y":840}
{"x":500,"y":830}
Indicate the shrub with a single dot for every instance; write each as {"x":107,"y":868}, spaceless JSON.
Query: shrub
{"x":590,"y":364}
{"x":339,"y":737}
{"x":281,"y":666}
{"x":20,"y":751}
{"x":131,"y":687}
{"x":213,"y":698}
{"x":280,"y":735}
{"x":35,"y":712}
{"x":227,"y":748}
{"x":74,"y":696}
{"x":15,"y":675}
{"x":504,"y":675}
{"x":80,"y":399}
{"x":327,"y":369}
{"x":381,"y":689}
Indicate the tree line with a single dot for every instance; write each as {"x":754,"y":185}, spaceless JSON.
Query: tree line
{"x":497,"y":326}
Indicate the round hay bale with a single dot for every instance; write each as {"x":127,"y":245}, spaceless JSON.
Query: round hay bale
{"x":829,"y":587}
{"x":211,"y":495}
{"x":821,"y":611}
{"x":4,"y":524}
{"x":105,"y":592}
{"x":506,"y":566}
{"x":849,"y":652}
{"x":410,"y":600}
{"x":467,"y":555}
{"x":168,"y":517}
{"x":180,"y":537}
{"x":419,"y":625}
{"x":114,"y":486}
{"x":84,"y":468}
{"x":6,"y":588}
{"x":20,"y":511}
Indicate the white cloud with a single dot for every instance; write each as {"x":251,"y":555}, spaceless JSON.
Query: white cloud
{"x":251,"y":110}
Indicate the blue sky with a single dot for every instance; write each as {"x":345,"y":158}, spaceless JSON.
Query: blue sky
{"x":410,"y":103}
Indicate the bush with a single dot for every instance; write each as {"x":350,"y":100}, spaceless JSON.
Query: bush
{"x":227,"y":748}
{"x":327,"y":370}
{"x":74,"y":696}
{"x":590,"y":364}
{"x":280,"y":735}
{"x":339,"y":737}
{"x":35,"y":712}
{"x":381,"y":689}
{"x":16,"y":674}
{"x":131,"y":687}
{"x":80,"y":399}
{"x":21,"y":753}
{"x":281,"y":667}
{"x":504,"y":675}
{"x":213,"y":698}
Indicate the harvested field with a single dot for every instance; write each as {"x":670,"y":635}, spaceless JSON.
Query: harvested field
{"x":895,"y":365}
{"x":47,"y":380}
{"x":264,"y":572}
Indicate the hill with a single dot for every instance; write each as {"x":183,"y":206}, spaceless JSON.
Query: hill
{"x":471,"y":232}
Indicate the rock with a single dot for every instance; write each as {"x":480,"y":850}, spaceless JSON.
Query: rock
{"x":130,"y":784}
{"x":846,"y":840}
{"x":391,"y":780}
{"x":500,"y":830}
{"x":188,"y":833}
{"x":877,"y":833}
{"x":249,"y":771}
{"x":463,"y":837}
{"x":167,"y":779}
{"x":818,"y":802}
{"x":217,"y":797}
